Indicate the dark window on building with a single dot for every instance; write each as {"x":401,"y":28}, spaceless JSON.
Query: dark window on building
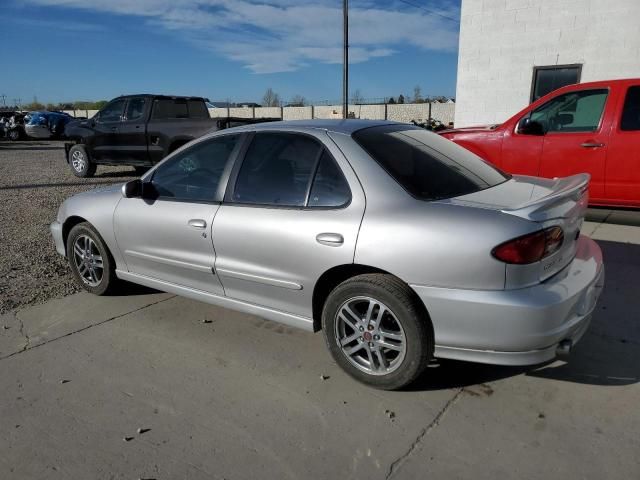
{"x":276,"y":170}
{"x":631,"y":110}
{"x":330,"y":188}
{"x":428,"y":166}
{"x":548,"y":79}
{"x":194,"y":175}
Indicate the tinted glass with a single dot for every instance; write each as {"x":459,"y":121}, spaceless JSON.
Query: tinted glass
{"x":164,"y":108}
{"x":197,"y":109}
{"x":631,"y":110}
{"x":546,"y":80}
{"x":572,"y":112}
{"x":428,"y":166}
{"x":113,"y":111}
{"x":276,"y":170}
{"x":194,"y":174}
{"x":330,"y":188}
{"x":135,"y":108}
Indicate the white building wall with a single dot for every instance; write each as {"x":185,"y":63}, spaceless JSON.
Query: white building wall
{"x":502,"y":40}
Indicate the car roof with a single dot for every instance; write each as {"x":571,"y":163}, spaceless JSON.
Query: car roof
{"x":152,"y":95}
{"x":345,"y":126}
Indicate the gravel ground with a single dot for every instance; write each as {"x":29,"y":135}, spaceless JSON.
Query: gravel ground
{"x":34,"y":180}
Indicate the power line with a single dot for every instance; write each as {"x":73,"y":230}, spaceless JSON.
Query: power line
{"x":430,"y":11}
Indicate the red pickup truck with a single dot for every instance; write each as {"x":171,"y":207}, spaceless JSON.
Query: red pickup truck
{"x":588,"y":127}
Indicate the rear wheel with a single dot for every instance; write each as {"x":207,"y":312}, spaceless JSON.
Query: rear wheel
{"x":90,"y":260}
{"x":378,"y":331}
{"x":79,"y":161}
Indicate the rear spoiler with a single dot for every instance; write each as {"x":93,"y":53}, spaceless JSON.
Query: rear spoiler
{"x":564,"y":194}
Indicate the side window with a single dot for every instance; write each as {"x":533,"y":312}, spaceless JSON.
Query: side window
{"x":197,"y":109}
{"x":135,"y":108}
{"x":631,"y":111}
{"x":572,"y":112}
{"x":194,"y":175}
{"x":164,"y":108}
{"x":113,"y":111}
{"x":276,"y":170}
{"x":330,"y":188}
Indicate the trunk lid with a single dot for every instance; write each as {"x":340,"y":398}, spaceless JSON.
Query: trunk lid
{"x":546,"y":202}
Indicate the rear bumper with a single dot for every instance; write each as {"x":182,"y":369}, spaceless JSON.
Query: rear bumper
{"x":56,"y":233}
{"x":517,"y":327}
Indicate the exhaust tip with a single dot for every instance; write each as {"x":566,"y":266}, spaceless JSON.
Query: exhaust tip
{"x":563,"y":350}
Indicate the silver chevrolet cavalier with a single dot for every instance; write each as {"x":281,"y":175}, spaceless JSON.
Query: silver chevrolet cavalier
{"x":398,"y":244}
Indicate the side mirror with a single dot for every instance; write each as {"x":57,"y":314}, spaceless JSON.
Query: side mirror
{"x":530,"y":127}
{"x":132,"y":189}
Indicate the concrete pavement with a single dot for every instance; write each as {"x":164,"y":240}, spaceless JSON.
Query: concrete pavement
{"x":238,"y":397}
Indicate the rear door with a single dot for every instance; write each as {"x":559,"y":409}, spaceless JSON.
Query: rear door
{"x":132,"y":135}
{"x":103,"y":144}
{"x":578,"y":126}
{"x":292,"y":211}
{"x":623,"y":159}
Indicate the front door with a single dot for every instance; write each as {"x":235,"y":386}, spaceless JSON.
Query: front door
{"x":577,"y":136}
{"x":166,"y":235}
{"x":103,"y":143}
{"x":623,"y":156}
{"x":292,"y":211}
{"x":132,"y":135}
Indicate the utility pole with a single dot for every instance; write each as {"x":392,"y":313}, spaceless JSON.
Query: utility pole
{"x":4,"y":103}
{"x":345,"y":60}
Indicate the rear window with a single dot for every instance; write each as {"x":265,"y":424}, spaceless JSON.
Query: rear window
{"x":631,"y":110}
{"x":164,"y":108}
{"x":427,"y":165}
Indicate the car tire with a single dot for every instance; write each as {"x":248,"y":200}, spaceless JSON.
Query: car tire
{"x":80,"y":163}
{"x":14,"y":135}
{"x":91,"y":262}
{"x":387,"y":352}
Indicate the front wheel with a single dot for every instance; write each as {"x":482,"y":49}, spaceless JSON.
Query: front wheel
{"x":14,"y":135}
{"x":80,"y":163}
{"x":378,"y":331}
{"x":90,"y":260}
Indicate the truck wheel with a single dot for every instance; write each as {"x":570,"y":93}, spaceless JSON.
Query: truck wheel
{"x":79,"y":162}
{"x":378,"y":331}
{"x":14,"y":135}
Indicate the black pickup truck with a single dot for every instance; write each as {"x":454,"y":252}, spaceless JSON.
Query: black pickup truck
{"x":140,"y":130}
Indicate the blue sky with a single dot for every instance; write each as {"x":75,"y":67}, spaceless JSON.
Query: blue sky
{"x":64,"y":50}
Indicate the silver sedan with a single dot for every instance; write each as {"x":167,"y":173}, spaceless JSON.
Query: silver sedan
{"x":398,"y":244}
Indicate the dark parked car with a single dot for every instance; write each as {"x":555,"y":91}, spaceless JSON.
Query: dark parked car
{"x":46,"y":124}
{"x":139,"y":130}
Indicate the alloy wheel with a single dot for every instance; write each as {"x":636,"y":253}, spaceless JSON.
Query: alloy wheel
{"x":77,"y":161}
{"x":370,"y":335}
{"x":88,"y":260}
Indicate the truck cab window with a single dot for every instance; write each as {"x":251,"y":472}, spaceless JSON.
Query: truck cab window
{"x":579,"y":111}
{"x":631,"y":111}
{"x":165,"y":108}
{"x":113,"y":111}
{"x":135,"y":108}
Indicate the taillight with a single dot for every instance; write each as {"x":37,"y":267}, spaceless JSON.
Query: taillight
{"x":530,"y":248}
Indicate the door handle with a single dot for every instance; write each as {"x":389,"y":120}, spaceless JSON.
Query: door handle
{"x":330,"y":239}
{"x":591,"y":145}
{"x":197,"y":223}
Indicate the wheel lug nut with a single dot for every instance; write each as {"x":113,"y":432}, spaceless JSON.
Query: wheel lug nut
{"x":369,"y":327}
{"x":376,"y":337}
{"x":361,"y":329}
{"x":371,"y":344}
